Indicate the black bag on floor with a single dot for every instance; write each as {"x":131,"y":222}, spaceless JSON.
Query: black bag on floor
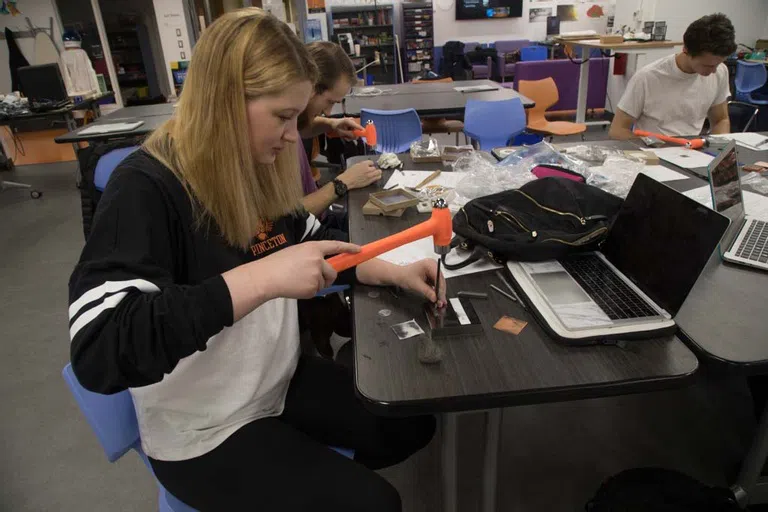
{"x":544,"y":219}
{"x":659,"y":490}
{"x":454,"y":63}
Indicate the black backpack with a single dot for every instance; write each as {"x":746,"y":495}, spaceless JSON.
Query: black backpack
{"x":659,"y":490}
{"x":544,"y":219}
{"x":454,"y":63}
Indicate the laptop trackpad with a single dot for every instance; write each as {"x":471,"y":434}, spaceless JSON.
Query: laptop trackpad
{"x":560,"y":288}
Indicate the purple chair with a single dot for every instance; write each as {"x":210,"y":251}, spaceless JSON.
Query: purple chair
{"x":478,"y":70}
{"x":566,"y":76}
{"x":504,"y":47}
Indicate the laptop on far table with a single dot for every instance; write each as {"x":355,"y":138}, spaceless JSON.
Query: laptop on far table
{"x":44,"y":86}
{"x":636,"y":283}
{"x":746,"y":240}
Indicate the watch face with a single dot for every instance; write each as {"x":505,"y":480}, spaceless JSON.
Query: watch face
{"x":339,"y":187}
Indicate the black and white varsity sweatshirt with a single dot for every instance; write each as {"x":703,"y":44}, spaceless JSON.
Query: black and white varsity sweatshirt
{"x":150,"y":311}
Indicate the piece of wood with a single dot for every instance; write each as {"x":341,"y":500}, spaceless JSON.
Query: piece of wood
{"x":371,"y":209}
{"x":390,"y":200}
{"x":611,"y":39}
{"x":432,"y":177}
{"x":648,"y":157}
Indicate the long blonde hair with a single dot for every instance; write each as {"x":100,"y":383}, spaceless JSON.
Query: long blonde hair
{"x":243,"y":55}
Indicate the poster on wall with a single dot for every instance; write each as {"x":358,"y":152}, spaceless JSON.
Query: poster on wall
{"x":596,"y":11}
{"x":539,"y":14}
{"x":316,"y":6}
{"x":567,"y":13}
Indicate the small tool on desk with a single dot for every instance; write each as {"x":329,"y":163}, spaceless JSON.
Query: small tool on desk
{"x":510,"y":297}
{"x":509,"y":287}
{"x":472,"y":295}
{"x":437,"y":286}
{"x":429,"y":179}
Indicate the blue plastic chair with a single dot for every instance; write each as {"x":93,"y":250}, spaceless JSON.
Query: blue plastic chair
{"x":750,"y":76}
{"x":113,"y":420}
{"x":531,"y":53}
{"x":107,"y":164}
{"x":395,"y":129}
{"x":493,"y":123}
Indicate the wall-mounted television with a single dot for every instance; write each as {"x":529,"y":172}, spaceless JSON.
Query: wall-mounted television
{"x":488,"y":9}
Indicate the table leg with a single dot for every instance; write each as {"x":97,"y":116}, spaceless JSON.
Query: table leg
{"x":750,"y":488}
{"x":449,"y":436}
{"x":490,"y":464}
{"x":581,"y":104}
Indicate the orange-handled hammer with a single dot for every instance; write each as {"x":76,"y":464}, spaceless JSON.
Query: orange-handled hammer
{"x":369,"y":133}
{"x":692,"y":143}
{"x":439,"y":226}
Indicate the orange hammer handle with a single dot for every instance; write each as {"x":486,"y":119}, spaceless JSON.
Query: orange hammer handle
{"x":693,"y":143}
{"x":439,"y":226}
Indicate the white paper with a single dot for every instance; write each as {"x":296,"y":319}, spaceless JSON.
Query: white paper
{"x":412,"y":178}
{"x":683,"y":157}
{"x":755,"y":205}
{"x":461,"y":315}
{"x":110,"y":128}
{"x":747,"y":140}
{"x":661,"y":173}
{"x":424,"y":248}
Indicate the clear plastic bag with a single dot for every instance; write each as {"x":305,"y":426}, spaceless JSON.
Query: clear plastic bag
{"x":755,"y":180}
{"x":543,"y":153}
{"x":484,"y":177}
{"x":595,"y":154}
{"x":425,"y":148}
{"x":615,"y":176}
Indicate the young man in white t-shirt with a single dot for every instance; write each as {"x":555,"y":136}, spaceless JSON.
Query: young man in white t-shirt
{"x":675,"y":94}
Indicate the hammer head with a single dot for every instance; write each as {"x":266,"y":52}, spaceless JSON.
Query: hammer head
{"x":369,"y":132}
{"x":443,"y":227}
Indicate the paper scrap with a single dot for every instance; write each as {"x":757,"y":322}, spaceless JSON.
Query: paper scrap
{"x":407,"y":329}
{"x":661,"y":173}
{"x":746,"y":140}
{"x":683,"y":157}
{"x":510,"y":325}
{"x":413,"y":178}
{"x":459,"y":310}
{"x":424,"y":248}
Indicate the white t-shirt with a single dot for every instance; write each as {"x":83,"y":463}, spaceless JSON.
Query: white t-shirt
{"x":666,"y":100}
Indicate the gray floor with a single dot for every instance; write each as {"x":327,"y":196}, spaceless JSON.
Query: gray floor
{"x":553,"y":458}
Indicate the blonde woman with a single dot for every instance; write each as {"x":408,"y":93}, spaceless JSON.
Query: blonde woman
{"x":186,"y":294}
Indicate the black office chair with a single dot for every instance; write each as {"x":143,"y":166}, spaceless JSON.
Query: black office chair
{"x":742,"y":115}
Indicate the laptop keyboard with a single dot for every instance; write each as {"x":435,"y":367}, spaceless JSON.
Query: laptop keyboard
{"x":612,"y":294}
{"x":754,"y":246}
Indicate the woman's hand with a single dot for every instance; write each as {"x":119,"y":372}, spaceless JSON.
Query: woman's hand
{"x":360,"y":175}
{"x":345,"y":127}
{"x":296,"y":272}
{"x":420,"y":277}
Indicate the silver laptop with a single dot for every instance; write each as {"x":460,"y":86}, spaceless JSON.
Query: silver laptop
{"x":746,"y":241}
{"x":636,"y":283}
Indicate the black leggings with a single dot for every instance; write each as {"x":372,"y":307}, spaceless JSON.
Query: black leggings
{"x":284,"y":463}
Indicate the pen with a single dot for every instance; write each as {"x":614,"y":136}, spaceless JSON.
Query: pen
{"x":504,"y":293}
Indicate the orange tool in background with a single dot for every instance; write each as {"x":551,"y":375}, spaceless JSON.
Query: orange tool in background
{"x":368,"y":133}
{"x":689,"y":143}
{"x":439,"y":226}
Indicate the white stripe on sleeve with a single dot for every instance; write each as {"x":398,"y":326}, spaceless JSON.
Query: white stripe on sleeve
{"x":109,"y":303}
{"x":312,"y":226}
{"x":109,"y":287}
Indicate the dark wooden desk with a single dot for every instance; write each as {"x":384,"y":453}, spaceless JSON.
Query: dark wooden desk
{"x":488,"y":371}
{"x":429,"y":99}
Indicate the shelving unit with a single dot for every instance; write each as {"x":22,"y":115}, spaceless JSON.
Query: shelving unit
{"x":418,"y":35}
{"x":372,"y":27}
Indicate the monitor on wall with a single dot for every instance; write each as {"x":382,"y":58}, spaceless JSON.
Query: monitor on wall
{"x":488,"y":9}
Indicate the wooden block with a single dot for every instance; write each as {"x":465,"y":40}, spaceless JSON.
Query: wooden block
{"x":371,"y":209}
{"x":611,"y":39}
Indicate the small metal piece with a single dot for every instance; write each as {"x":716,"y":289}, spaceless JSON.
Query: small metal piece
{"x":509,"y":287}
{"x":373,"y":294}
{"x":440,"y":203}
{"x":385,"y":312}
{"x":472,"y":295}
{"x":504,"y":293}
{"x":490,"y":226}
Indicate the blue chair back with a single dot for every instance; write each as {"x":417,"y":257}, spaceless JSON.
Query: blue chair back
{"x":107,"y":164}
{"x":493,"y":123}
{"x":395,"y":129}
{"x":750,"y":76}
{"x":531,"y":53}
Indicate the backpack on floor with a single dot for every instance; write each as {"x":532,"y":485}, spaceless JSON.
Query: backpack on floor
{"x":659,"y":490}
{"x":454,"y":63}
{"x":542,"y":220}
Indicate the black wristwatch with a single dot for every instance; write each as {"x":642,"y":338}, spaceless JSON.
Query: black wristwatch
{"x":339,"y":187}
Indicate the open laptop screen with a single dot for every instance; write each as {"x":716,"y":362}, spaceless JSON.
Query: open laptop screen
{"x":661,"y":240}
{"x":726,"y":191}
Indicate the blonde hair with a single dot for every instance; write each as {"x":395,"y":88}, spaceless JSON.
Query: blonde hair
{"x":243,"y":55}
